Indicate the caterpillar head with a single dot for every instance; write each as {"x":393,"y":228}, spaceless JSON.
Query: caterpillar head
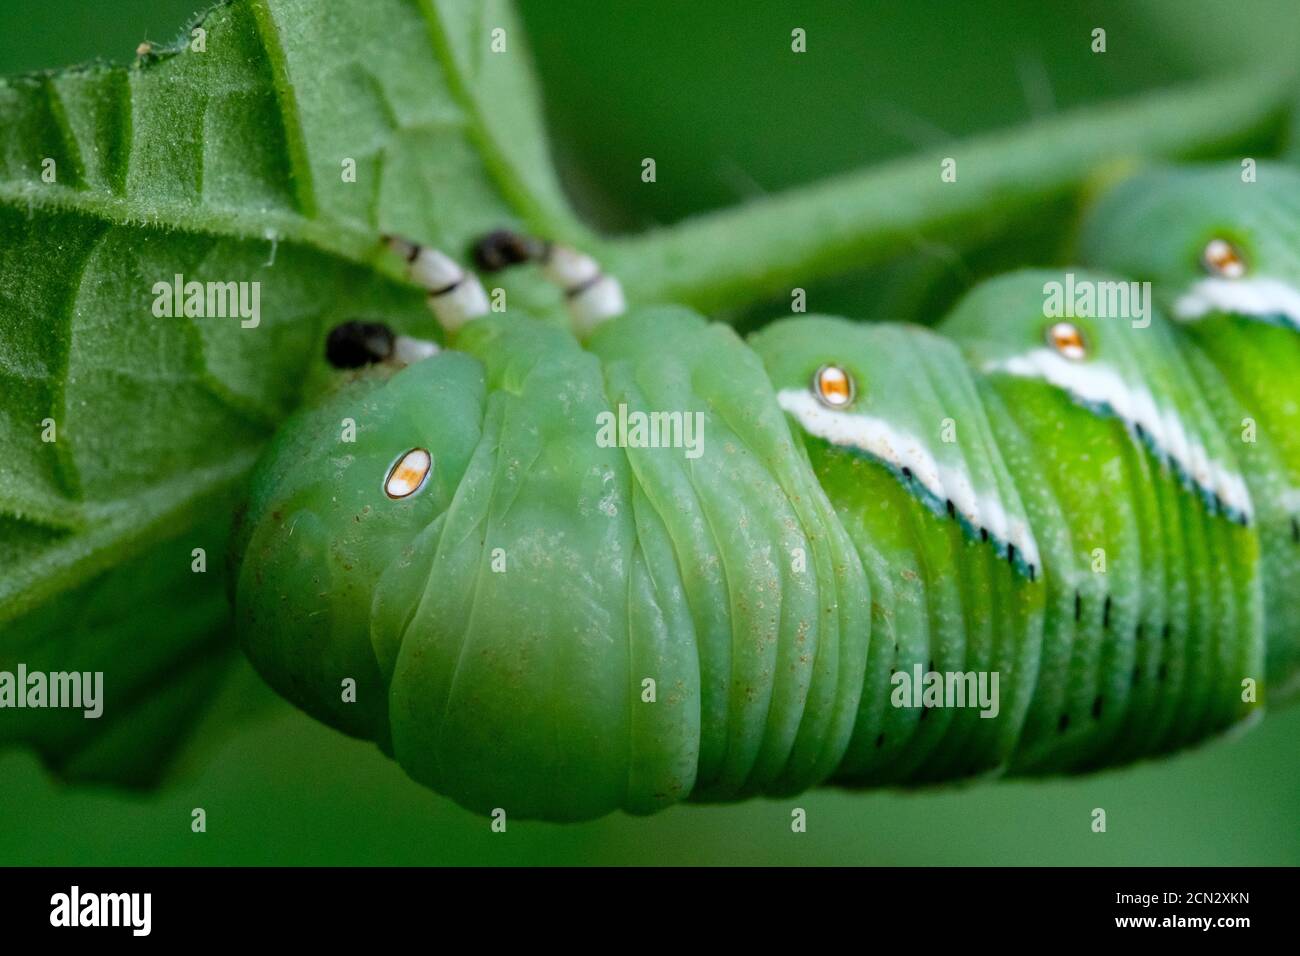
{"x":341,"y":494}
{"x":444,"y":560}
{"x":1209,"y":242}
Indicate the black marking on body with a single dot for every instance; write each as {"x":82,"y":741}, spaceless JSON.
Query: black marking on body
{"x":939,"y":507}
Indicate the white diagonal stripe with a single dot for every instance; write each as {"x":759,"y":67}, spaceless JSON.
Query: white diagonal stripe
{"x":881,"y":440}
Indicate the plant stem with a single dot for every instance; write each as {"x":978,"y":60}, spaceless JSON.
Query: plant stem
{"x":763,"y":249}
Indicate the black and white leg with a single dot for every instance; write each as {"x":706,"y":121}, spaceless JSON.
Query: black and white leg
{"x":593,"y":296}
{"x":358,"y":343}
{"x":455,"y":295}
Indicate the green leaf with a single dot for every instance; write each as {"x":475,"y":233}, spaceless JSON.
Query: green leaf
{"x":159,"y":633}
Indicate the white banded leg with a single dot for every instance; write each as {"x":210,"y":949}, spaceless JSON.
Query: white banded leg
{"x":455,"y":295}
{"x":592,"y":295}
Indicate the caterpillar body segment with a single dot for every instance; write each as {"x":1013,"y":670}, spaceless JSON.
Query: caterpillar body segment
{"x":1166,"y":619}
{"x":1223,"y":258}
{"x":779,"y":603}
{"x":943,"y":537}
{"x":663,"y":563}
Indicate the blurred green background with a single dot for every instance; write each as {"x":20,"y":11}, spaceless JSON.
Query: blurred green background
{"x":711,"y":90}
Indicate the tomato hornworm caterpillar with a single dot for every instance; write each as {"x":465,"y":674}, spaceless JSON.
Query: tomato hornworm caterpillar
{"x":534,"y":620}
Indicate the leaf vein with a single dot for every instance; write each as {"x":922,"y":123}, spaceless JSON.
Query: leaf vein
{"x":290,"y":121}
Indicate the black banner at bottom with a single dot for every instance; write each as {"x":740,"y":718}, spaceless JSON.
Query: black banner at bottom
{"x":334,"y":906}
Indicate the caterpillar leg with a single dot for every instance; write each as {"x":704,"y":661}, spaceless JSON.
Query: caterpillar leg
{"x":455,"y":295}
{"x":356,"y":343}
{"x":593,"y":296}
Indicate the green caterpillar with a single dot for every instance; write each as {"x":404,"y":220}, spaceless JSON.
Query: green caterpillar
{"x":1078,"y":508}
